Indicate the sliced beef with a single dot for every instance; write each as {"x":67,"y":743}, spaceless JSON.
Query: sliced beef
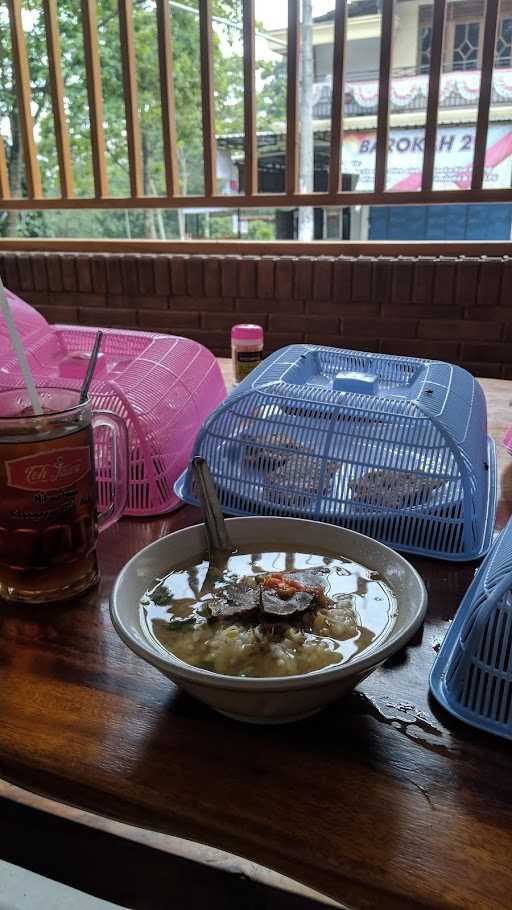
{"x":240,"y":599}
{"x":274,"y":605}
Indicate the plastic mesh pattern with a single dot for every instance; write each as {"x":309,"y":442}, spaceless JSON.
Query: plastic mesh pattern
{"x":472,"y":675}
{"x":163,"y":387}
{"x":409,"y":464}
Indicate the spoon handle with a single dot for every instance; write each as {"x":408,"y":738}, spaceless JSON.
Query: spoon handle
{"x":216,"y":530}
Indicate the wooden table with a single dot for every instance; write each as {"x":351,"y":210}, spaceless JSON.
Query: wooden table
{"x":381,"y":801}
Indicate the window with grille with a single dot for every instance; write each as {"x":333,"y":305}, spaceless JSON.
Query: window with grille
{"x":425,"y":48}
{"x":504,"y":44}
{"x":466,"y":45}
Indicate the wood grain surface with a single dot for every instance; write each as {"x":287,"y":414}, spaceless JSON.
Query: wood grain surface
{"x":381,"y":801}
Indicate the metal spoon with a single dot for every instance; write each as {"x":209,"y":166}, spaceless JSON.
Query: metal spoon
{"x":220,"y":545}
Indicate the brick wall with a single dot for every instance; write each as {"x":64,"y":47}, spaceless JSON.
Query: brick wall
{"x":452,"y":309}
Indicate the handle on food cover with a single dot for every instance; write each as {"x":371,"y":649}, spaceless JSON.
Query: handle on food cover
{"x":119,"y":466}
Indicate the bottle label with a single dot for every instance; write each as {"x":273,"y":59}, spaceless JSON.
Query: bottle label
{"x":249,"y":356}
{"x":51,"y":470}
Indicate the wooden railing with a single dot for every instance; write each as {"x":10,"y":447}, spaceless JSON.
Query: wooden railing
{"x":173,"y":198}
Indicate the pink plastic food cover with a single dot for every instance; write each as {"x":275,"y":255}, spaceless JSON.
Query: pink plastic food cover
{"x":164,"y":387}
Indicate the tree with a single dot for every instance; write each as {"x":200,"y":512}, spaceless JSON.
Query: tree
{"x":229,"y":111}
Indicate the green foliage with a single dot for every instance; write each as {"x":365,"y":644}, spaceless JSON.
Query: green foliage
{"x":228,"y":75}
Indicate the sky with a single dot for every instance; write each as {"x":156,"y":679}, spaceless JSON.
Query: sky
{"x":273,"y":13}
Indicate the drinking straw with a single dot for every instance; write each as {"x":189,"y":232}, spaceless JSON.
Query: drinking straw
{"x":20,"y":353}
{"x":90,"y":369}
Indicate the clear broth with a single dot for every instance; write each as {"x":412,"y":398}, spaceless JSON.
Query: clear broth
{"x":364,"y":605}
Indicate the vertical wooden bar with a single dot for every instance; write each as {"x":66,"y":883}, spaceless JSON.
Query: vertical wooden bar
{"x":251,"y":149}
{"x":130,"y":97}
{"x":19,"y":53}
{"x":207,"y":99}
{"x":167,"y":96}
{"x":386,"y":51}
{"x":338,"y":95}
{"x":5,"y":190}
{"x":95,"y":97}
{"x":484,"y":101}
{"x":436,"y":59}
{"x":57,"y":93}
{"x":292,"y":97}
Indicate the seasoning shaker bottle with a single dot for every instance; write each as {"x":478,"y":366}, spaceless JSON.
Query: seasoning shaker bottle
{"x":246,"y":349}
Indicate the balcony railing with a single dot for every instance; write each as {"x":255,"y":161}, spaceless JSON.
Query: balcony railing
{"x":409,"y":92}
{"x":383,"y":95}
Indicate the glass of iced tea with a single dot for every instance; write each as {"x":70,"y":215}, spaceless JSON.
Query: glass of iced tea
{"x":48,"y":517}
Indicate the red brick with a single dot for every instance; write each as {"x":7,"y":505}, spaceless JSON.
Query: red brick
{"x":212,"y":276}
{"x":69,"y":275}
{"x":507,"y":332}
{"x":65,"y":314}
{"x":146,"y":274}
{"x":444,"y":282}
{"x":403,"y":271}
{"x":214,"y":305}
{"x":302,"y":277}
{"x":114,"y":277}
{"x":129,"y":274}
{"x":506,"y":283}
{"x":507,"y":370}
{"x":319,"y":324}
{"x":195,"y":277}
{"x":178,"y":267}
{"x":342,"y":279}
{"x":463,"y":329}
{"x":81,"y":265}
{"x":337,"y":308}
{"x":284,"y":277}
{"x":295,"y":307}
{"x":466,"y":281}
{"x":489,"y":313}
{"x":489,"y":284}
{"x":329,"y":341}
{"x":137,"y":301}
{"x":350,"y":343}
{"x":492,"y":370}
{"x":12,"y":274}
{"x":382,"y":279}
{"x":107,"y":316}
{"x":53,"y":266}
{"x":247,"y":277}
{"x":416,"y":347}
{"x":99,"y":273}
{"x":497,"y":352}
{"x":36,"y":298}
{"x":380,"y":328}
{"x":70,"y":298}
{"x":229,"y":268}
{"x":362,"y":279}
{"x":217,"y":342}
{"x":323,"y":278}
{"x":276,"y":340}
{"x":224,"y":321}
{"x":423,"y":279}
{"x":168,"y":321}
{"x":162,"y":275}
{"x":25,"y":272}
{"x":39,"y":272}
{"x":422,"y":311}
{"x":265,"y":277}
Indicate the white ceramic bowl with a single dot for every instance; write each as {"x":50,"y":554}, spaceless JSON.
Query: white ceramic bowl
{"x":274,"y":699}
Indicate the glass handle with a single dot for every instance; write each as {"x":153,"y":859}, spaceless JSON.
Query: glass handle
{"x":119,"y":466}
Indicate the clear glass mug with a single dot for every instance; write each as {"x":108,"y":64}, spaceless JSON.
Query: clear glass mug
{"x":48,"y":517}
